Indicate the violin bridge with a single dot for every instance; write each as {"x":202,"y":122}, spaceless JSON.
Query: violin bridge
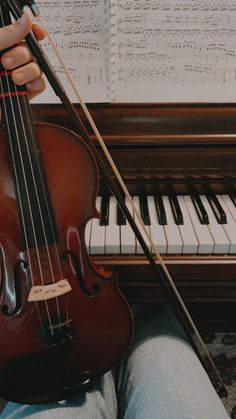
{"x":46,"y":292}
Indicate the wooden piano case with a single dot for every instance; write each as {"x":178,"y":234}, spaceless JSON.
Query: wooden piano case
{"x":171,"y":147}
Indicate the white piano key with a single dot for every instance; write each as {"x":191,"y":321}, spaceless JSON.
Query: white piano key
{"x":173,"y":237}
{"x":205,"y":241}
{"x":127,"y":237}
{"x":230,"y":205}
{"x":87,"y":234}
{"x":157,"y":231}
{"x":219,"y":236}
{"x":97,"y":239}
{"x":230,"y":227}
{"x":139,"y":249}
{"x":190,"y":242}
{"x":112,"y":236}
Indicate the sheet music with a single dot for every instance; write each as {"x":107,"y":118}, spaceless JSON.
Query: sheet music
{"x":175,"y":51}
{"x":158,"y":51}
{"x":78,"y":29}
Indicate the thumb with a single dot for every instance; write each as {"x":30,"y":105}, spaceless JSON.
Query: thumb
{"x":14,"y":33}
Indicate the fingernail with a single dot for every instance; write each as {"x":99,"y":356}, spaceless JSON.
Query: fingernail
{"x":8,"y":61}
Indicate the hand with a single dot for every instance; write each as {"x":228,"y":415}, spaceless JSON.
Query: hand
{"x":19,"y":58}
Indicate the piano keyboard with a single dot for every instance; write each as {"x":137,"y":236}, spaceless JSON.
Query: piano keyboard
{"x":178,"y":224}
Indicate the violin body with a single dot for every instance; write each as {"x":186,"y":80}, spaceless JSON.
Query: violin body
{"x":63,"y":320}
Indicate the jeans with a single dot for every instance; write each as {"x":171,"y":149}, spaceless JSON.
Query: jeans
{"x":159,"y":378}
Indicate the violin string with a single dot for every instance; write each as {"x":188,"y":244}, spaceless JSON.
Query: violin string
{"x":129,"y":198}
{"x":24,"y":177}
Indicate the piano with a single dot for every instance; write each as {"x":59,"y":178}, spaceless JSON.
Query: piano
{"x":179,"y":164}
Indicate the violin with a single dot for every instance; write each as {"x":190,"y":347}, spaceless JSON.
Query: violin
{"x":63,"y":320}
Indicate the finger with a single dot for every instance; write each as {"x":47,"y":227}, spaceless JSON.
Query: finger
{"x":17,"y":56}
{"x":26,"y":73}
{"x":36,"y":87}
{"x":14,"y":33}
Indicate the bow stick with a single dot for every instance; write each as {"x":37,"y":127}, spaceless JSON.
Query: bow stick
{"x":163,"y":275}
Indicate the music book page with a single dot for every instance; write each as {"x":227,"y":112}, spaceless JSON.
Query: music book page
{"x":146,"y":50}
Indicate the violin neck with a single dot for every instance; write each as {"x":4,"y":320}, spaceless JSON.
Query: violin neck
{"x":34,"y":204}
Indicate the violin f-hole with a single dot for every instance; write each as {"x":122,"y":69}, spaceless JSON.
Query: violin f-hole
{"x":17,"y":302}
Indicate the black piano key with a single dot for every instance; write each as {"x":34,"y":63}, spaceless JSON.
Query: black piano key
{"x":104,"y":219}
{"x":200,"y":209}
{"x":233,"y":198}
{"x":217,"y":209}
{"x":161,"y":213}
{"x":144,"y":209}
{"x":120,"y":217}
{"x":178,"y":216}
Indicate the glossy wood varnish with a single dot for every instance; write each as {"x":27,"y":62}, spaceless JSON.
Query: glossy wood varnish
{"x":35,"y":368}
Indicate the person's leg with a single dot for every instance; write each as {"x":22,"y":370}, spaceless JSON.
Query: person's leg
{"x":98,"y":403}
{"x":161,"y":377}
